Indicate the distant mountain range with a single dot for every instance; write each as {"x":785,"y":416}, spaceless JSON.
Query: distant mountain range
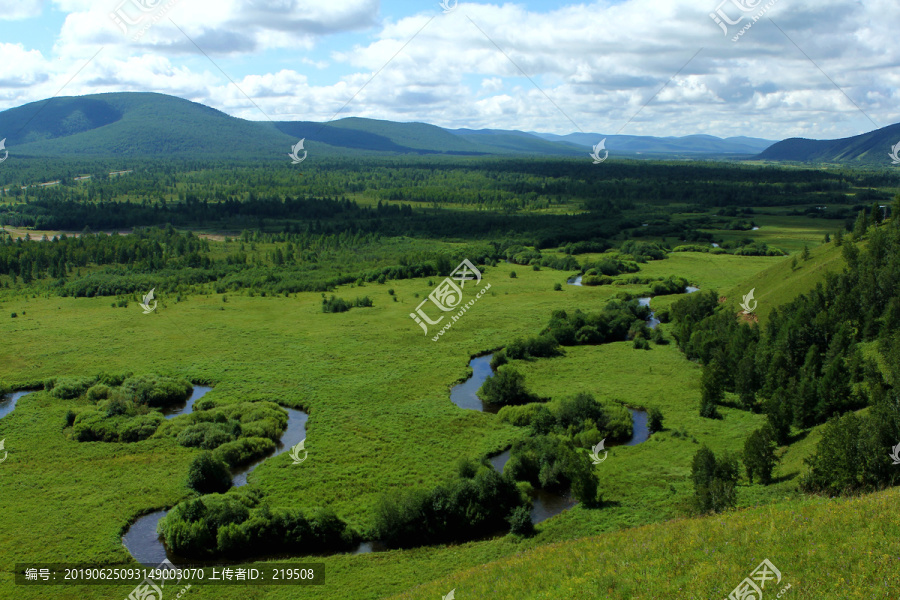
{"x":707,"y":144}
{"x":141,"y":124}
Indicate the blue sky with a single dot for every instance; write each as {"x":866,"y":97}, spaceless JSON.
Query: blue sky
{"x":768,"y":68}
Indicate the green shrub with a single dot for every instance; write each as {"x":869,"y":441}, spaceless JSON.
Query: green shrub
{"x":543,"y":346}
{"x":520,"y":522}
{"x":98,"y":392}
{"x":461,"y":511}
{"x":113,"y":380}
{"x":592,"y":280}
{"x":207,"y":435}
{"x":118,"y":406}
{"x":654,"y":419}
{"x":552,"y":463}
{"x":337,"y":305}
{"x":523,"y":415}
{"x":140,"y":427}
{"x":94,"y":425}
{"x":244,"y":451}
{"x":238,"y":525}
{"x":507,"y":386}
{"x":69,"y":388}
{"x":208,"y":474}
{"x":154,"y":390}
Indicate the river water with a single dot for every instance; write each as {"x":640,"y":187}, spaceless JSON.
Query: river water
{"x":141,"y":538}
{"x":546,"y":504}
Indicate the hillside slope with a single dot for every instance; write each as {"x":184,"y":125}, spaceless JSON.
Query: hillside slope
{"x":135,"y":124}
{"x":869,"y":148}
{"x":840,"y":549}
{"x":780,"y":283}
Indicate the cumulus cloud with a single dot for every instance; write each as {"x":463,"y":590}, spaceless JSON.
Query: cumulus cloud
{"x":603,"y":67}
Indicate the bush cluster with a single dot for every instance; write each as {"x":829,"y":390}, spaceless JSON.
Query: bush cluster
{"x":479,"y":502}
{"x":239,"y":524}
{"x":337,"y":305}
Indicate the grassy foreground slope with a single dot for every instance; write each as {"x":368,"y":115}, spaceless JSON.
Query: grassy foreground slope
{"x":839,"y":548}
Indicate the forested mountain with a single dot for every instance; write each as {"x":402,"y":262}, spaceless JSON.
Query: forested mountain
{"x":148,"y":124}
{"x":869,"y":148}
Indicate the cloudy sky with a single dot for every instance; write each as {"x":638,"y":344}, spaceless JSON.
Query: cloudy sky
{"x":808,"y":68}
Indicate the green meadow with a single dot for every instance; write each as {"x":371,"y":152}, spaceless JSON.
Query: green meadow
{"x":381,"y":421}
{"x":241,"y":308}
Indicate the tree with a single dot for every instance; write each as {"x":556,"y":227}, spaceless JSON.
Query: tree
{"x":827,"y":239}
{"x":804,"y":255}
{"x":838,"y":237}
{"x":746,"y":381}
{"x":759,"y":454}
{"x":779,"y":415}
{"x":714,"y":480}
{"x":208,"y":475}
{"x":861,"y":225}
{"x":655,"y":419}
{"x":506,"y":387}
{"x":877,"y":213}
{"x":520,"y":522}
{"x":712,"y":389}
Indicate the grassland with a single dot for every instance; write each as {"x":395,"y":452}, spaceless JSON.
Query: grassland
{"x":381,"y":421}
{"x":824,"y":548}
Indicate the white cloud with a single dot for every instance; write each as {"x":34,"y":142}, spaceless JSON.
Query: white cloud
{"x":14,"y":10}
{"x":600,"y":63}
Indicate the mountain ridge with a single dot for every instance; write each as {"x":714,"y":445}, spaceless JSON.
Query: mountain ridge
{"x":142,"y":123}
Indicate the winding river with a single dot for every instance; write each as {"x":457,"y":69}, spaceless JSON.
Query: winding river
{"x":144,"y":544}
{"x":141,"y":538}
{"x":173,"y":411}
{"x":652,"y":321}
{"x":546,"y":504}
